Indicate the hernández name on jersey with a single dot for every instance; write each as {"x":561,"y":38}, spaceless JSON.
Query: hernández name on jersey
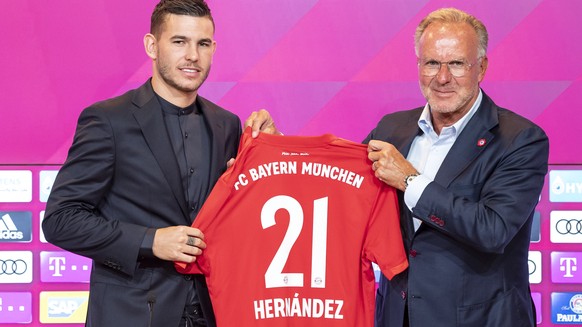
{"x":305,"y":168}
{"x":298,"y":307}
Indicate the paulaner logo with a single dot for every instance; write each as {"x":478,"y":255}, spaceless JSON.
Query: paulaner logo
{"x":15,"y":227}
{"x":566,"y":308}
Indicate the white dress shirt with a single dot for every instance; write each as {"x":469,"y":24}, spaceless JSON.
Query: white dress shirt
{"x":428,"y":151}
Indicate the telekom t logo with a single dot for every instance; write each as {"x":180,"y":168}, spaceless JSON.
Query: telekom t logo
{"x":57,"y":264}
{"x":568,"y":265}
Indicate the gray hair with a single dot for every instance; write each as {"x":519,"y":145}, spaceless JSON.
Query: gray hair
{"x":453,"y":15}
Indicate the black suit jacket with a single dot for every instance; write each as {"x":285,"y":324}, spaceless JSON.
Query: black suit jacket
{"x":469,"y":259}
{"x":121,"y":177}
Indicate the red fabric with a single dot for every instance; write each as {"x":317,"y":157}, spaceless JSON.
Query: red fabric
{"x":358,"y":221}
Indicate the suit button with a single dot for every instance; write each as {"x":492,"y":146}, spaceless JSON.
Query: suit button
{"x":403,"y":294}
{"x":188,"y":277}
{"x":413,"y":253}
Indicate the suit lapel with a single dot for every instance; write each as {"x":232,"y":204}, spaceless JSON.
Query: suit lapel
{"x":217,"y":137}
{"x":470,"y":143}
{"x":402,"y":139}
{"x":150,"y":118}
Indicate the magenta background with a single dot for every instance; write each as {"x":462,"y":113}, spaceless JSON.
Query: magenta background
{"x":317,"y":65}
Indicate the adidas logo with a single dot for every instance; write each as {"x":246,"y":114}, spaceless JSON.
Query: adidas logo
{"x":8,"y":230}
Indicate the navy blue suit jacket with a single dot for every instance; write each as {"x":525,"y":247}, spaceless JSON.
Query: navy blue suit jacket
{"x":121,"y":177}
{"x":469,"y":258}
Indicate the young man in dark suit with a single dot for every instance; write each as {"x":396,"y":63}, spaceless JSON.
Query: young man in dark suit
{"x":140,"y":168}
{"x":470,"y":174}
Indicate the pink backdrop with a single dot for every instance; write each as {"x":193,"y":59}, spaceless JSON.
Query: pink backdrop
{"x":318,"y":65}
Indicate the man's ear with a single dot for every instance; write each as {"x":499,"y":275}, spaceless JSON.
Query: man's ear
{"x":483,"y":68}
{"x":151,"y":46}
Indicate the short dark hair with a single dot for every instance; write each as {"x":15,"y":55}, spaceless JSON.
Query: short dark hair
{"x":195,"y":8}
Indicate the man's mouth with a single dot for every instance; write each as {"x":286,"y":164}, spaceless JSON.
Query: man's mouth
{"x":190,"y":70}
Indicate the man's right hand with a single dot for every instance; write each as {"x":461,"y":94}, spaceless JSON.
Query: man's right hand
{"x":178,"y":243}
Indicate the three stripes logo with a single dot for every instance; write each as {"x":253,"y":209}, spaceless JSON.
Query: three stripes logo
{"x":15,"y":227}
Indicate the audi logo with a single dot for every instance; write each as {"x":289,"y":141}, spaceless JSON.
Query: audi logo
{"x":12,"y":267}
{"x":532,"y":267}
{"x":572,"y":226}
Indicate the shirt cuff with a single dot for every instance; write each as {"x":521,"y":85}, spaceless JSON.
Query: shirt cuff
{"x":147,"y":244}
{"x":414,"y":190}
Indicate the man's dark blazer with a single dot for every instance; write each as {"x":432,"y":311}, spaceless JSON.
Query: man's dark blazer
{"x":121,"y":177}
{"x":469,"y":258}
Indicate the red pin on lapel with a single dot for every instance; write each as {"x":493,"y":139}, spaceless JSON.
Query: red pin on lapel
{"x":481,"y":142}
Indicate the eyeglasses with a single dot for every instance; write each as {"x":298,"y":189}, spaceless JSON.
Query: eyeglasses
{"x":431,"y":68}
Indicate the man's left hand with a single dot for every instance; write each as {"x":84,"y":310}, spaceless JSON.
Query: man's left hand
{"x":261,"y":121}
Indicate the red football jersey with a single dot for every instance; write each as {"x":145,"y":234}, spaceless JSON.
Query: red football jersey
{"x":291,"y":231}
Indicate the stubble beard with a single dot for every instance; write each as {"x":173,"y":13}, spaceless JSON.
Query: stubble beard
{"x":447,"y":107}
{"x":165,"y":73}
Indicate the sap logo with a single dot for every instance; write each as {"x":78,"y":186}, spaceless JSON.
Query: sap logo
{"x":63,"y":308}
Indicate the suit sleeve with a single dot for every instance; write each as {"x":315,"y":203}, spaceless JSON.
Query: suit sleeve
{"x":72,"y":220}
{"x":488,"y":213}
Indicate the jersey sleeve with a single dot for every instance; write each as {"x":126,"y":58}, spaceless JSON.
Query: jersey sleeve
{"x":383,"y":244}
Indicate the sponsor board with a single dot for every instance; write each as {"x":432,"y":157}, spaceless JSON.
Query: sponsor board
{"x":15,"y":186}
{"x":566,"y":267}
{"x":15,"y":226}
{"x":567,"y":308}
{"x":15,"y":307}
{"x":534,"y":264}
{"x":63,"y":307}
{"x":46,"y":181}
{"x":566,"y":226}
{"x":537,"y":299}
{"x":565,"y":186}
{"x":15,"y":267}
{"x":64,"y":267}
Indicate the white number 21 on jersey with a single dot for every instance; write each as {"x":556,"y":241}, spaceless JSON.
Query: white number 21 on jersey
{"x":274,"y":277}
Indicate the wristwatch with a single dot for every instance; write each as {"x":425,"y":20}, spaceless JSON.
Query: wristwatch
{"x":409,"y":179}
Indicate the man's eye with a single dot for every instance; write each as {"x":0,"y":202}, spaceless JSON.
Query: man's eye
{"x":456,"y":64}
{"x":432,"y":64}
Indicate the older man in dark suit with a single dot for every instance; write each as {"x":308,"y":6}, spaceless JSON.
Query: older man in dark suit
{"x":470,"y":174}
{"x":139,"y":169}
